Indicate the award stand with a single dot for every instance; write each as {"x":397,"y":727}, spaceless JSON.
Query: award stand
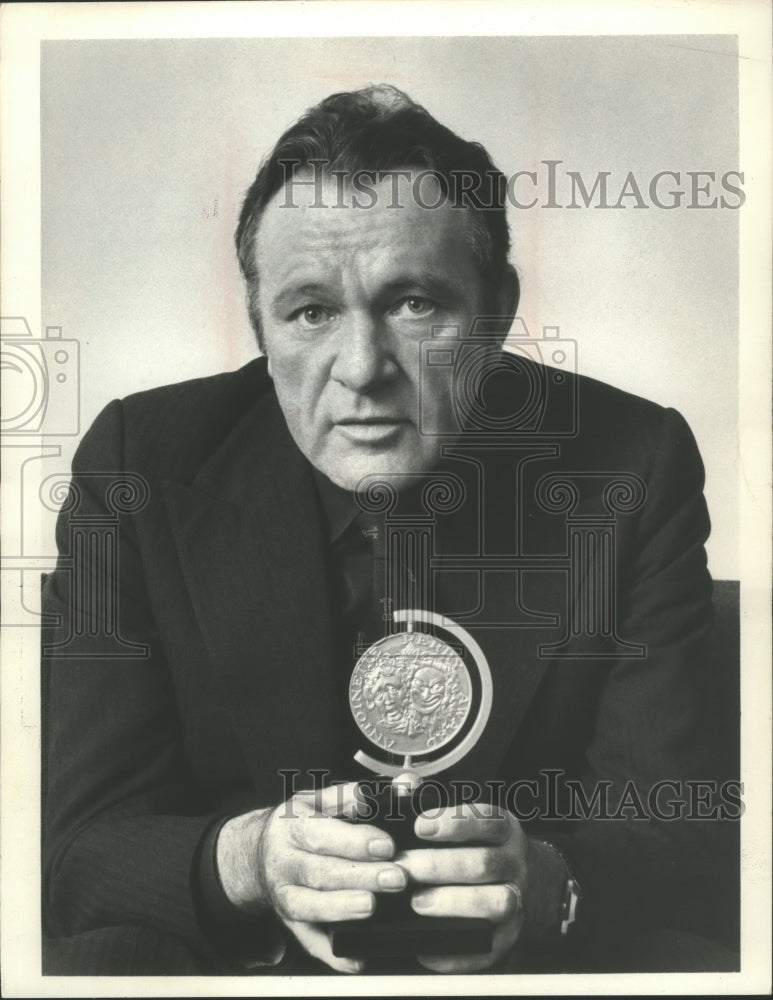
{"x":412,"y":696}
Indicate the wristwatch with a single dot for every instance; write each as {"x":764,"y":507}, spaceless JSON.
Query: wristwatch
{"x":572,"y":893}
{"x":569,"y":903}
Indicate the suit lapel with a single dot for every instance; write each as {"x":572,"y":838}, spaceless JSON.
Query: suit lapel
{"x":248,"y":537}
{"x":518,"y":620}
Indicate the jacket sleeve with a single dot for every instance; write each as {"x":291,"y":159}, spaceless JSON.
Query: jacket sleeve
{"x":124,"y":823}
{"x":649,"y":863}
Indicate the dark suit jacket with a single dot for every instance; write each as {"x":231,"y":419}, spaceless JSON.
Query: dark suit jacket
{"x":218,"y":577}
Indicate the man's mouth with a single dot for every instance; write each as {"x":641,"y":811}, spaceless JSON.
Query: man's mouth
{"x":371,"y":429}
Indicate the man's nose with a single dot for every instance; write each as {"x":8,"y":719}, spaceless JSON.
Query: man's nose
{"x":364,"y":356}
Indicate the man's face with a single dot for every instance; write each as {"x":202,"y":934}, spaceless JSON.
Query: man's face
{"x":346,"y":297}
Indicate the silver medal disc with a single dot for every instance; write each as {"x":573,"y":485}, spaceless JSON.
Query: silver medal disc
{"x":410,"y":693}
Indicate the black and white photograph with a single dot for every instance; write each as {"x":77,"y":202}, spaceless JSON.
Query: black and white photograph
{"x":386,"y":498}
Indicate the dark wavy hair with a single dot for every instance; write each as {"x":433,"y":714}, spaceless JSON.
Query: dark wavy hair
{"x":380,"y":129}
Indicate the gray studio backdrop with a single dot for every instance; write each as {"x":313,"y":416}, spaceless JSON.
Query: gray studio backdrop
{"x":148,"y":147}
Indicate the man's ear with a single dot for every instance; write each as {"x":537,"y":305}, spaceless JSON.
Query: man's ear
{"x":507,"y":299}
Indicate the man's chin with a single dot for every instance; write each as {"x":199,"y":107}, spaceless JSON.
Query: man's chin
{"x":356,"y":470}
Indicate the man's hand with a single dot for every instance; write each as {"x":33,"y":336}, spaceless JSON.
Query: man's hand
{"x":490,"y":881}
{"x":307,"y":866}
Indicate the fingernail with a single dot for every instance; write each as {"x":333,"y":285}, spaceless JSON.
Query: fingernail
{"x":380,"y":848}
{"x":420,"y":902}
{"x":427,"y":827}
{"x":355,"y":965}
{"x":391,"y":878}
{"x":361,"y":902}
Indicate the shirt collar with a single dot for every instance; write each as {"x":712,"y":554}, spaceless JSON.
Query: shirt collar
{"x":340,"y":507}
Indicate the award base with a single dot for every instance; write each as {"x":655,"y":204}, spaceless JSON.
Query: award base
{"x":395,"y":930}
{"x":408,"y":936}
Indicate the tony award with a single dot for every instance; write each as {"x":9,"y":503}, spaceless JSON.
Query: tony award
{"x":421,"y":696}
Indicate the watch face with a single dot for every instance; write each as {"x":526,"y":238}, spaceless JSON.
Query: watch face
{"x":572,"y":897}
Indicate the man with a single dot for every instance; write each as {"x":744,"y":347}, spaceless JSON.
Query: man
{"x":240,"y":584}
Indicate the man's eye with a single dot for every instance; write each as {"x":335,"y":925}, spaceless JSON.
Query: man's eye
{"x":414,"y":305}
{"x":312,"y":315}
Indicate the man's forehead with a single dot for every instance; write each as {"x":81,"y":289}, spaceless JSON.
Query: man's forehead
{"x":331,"y":214}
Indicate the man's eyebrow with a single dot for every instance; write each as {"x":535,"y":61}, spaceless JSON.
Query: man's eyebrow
{"x":435,"y":285}
{"x":309,"y":290}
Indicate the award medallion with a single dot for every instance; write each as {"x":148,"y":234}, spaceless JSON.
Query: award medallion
{"x":410,"y":693}
{"x":413,"y":697}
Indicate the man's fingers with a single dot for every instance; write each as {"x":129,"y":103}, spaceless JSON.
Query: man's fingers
{"x":491,"y":902}
{"x":298,"y":902}
{"x":456,"y":865}
{"x":325,"y":835}
{"x":483,"y":823}
{"x":345,"y":799}
{"x":505,"y":937}
{"x":319,"y":872}
{"x":317,"y":943}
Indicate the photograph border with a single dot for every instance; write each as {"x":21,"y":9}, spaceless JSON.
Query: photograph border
{"x":24,"y":26}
